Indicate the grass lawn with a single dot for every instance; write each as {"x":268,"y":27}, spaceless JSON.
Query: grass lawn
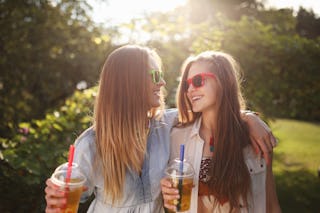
{"x":296,"y":164}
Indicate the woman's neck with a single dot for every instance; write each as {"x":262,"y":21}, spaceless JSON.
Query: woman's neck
{"x":208,"y":122}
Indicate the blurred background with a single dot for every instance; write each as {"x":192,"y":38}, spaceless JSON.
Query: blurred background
{"x":52,"y":51}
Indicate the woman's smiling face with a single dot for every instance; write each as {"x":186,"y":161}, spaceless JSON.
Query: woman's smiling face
{"x":202,"y":98}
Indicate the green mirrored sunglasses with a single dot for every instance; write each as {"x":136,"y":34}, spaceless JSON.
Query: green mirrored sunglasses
{"x":156,"y":76}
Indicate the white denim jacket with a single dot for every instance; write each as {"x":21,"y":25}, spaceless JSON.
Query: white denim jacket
{"x":193,"y":152}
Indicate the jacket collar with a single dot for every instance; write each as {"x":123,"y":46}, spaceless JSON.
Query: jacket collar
{"x":196,"y":127}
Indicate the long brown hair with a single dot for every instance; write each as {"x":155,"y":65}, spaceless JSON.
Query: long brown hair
{"x":230,"y":177}
{"x":121,"y":115}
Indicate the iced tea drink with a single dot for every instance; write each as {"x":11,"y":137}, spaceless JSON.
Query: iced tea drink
{"x":181,"y":175}
{"x":73,"y":187}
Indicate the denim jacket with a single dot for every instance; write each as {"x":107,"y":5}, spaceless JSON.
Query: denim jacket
{"x":141,"y":193}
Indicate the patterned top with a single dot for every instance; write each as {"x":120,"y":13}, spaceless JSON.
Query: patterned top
{"x":205,"y":167}
{"x":204,"y":175}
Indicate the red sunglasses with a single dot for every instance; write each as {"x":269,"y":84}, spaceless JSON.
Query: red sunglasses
{"x":198,"y":80}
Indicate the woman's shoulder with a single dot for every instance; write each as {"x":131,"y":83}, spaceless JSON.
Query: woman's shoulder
{"x":170,"y":116}
{"x":171,"y":113}
{"x":85,"y":148}
{"x":86,"y":139}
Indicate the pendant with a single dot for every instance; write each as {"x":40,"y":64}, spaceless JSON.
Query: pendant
{"x":211,"y":144}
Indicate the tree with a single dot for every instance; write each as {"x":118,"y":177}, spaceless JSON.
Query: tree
{"x":205,"y":10}
{"x":37,"y":148}
{"x":280,"y":71}
{"x":45,"y":50}
{"x":308,"y":25}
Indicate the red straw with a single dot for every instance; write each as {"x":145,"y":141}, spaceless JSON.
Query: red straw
{"x":70,"y":160}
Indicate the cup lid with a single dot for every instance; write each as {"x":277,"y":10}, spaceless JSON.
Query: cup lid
{"x":59,"y":178}
{"x":179,"y":169}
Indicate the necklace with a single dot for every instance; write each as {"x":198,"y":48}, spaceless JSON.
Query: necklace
{"x":211,"y":144}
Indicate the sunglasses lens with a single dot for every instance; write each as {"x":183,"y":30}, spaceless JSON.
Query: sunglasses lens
{"x":197,"y":81}
{"x":157,"y":76}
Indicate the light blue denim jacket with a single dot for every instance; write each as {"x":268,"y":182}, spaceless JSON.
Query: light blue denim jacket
{"x":140,"y":193}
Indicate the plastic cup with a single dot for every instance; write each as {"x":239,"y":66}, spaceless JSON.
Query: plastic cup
{"x":181,"y":174}
{"x":73,"y":186}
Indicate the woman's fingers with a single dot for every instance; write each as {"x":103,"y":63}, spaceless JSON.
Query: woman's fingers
{"x":267,"y":141}
{"x":170,"y":206}
{"x":273,"y":140}
{"x":55,"y":201}
{"x":53,"y":191}
{"x":168,"y":192}
{"x":55,"y":198}
{"x":255,"y":145}
{"x":165,"y":182}
{"x":167,"y":196}
{"x":52,"y":210}
{"x":265,"y":149}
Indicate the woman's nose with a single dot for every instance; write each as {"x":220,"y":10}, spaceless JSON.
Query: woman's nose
{"x":162,"y":82}
{"x":190,"y":88}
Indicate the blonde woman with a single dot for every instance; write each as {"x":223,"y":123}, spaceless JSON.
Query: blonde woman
{"x":230,"y":177}
{"x":125,"y":152}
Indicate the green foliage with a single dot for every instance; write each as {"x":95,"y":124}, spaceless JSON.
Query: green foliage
{"x":40,"y":146}
{"x":280,"y":67}
{"x":46,"y":50}
{"x":296,"y":164}
{"x":47,"y":47}
{"x":277,"y":80}
{"x":308,"y":24}
{"x":282,"y":21}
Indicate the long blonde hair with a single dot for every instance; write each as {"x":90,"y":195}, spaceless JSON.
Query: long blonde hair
{"x":230,"y":176}
{"x":120,"y":115}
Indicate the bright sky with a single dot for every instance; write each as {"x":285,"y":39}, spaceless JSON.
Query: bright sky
{"x":119,"y":11}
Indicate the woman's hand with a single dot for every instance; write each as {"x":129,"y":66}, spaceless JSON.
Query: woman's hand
{"x":261,"y":136}
{"x":169,"y":193}
{"x":55,"y":198}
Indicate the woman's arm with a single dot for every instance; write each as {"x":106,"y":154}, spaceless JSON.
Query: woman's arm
{"x":261,"y":136}
{"x":272,"y":198}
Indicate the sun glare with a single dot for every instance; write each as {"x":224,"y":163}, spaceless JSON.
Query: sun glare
{"x":118,"y":11}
